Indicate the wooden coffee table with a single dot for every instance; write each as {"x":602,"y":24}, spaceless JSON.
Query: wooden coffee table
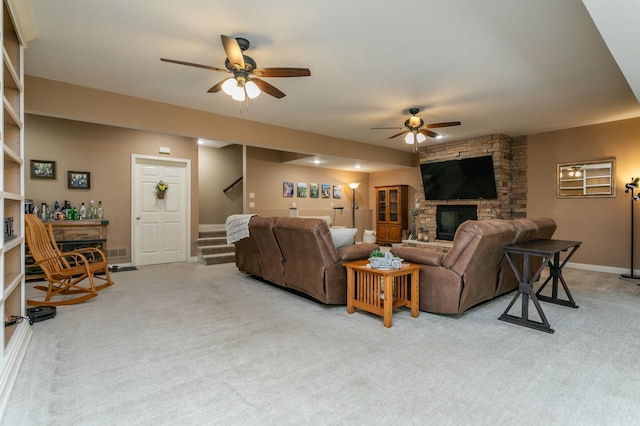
{"x":380,"y":290}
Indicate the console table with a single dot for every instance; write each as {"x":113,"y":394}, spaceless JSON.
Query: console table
{"x":380,"y":290}
{"x":549,"y":251}
{"x":71,"y":235}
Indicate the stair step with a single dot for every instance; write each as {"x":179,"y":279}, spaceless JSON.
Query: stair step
{"x":208,"y":234}
{"x":206,"y":250}
{"x":216,"y":259}
{"x":212,"y":241}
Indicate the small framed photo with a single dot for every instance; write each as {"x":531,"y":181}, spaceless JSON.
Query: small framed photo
{"x":302,"y":190}
{"x":314,"y":190}
{"x":78,"y":180}
{"x":287,"y":189}
{"x":337,"y":191}
{"x":325,"y":190}
{"x":43,"y":169}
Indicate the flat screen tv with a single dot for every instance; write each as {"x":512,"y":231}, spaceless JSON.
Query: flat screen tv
{"x":465,"y":179}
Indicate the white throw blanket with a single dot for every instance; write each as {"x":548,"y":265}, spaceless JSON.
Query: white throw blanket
{"x":238,"y":227}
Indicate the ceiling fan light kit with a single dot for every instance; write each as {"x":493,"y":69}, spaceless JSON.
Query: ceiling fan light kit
{"x":244,"y":84}
{"x":416,"y":132}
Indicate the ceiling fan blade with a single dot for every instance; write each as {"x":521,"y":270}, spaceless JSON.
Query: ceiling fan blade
{"x":233,"y":51}
{"x":429,"y":133}
{"x":217,"y":87}
{"x":449,"y":124}
{"x":399,"y":134}
{"x":191,"y":64}
{"x":387,"y":128}
{"x":267,"y":88}
{"x":282,"y":72}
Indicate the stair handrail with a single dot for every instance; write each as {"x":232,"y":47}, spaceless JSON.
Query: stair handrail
{"x":233,"y":185}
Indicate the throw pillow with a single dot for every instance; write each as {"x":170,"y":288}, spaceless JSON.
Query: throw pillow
{"x":343,"y":237}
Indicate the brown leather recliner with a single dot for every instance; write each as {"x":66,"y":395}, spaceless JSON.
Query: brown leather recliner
{"x":261,"y":229}
{"x":300,"y":254}
{"x":467,"y":274}
{"x":312,"y":263}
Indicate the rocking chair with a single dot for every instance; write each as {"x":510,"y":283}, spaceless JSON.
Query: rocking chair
{"x":65,"y":272}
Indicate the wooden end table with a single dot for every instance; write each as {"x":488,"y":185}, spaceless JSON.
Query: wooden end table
{"x":380,"y":290}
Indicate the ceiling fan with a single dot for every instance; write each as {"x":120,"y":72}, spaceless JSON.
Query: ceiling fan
{"x":244,"y":83}
{"x":416,"y":131}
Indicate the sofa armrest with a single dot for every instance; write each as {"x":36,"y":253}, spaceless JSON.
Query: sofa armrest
{"x":356,"y":251}
{"x":419,"y":255}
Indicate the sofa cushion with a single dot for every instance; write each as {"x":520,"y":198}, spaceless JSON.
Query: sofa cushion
{"x":343,"y":237}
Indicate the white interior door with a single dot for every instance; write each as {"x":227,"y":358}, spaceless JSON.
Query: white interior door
{"x":160,"y":226}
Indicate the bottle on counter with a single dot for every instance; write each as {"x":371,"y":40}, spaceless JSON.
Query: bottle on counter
{"x":83,"y":212}
{"x":100,"y":213}
{"x":92,"y":210}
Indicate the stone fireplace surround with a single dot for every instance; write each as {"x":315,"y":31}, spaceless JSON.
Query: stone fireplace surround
{"x":510,"y":166}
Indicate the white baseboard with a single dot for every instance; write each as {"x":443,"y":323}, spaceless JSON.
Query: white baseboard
{"x":601,"y":268}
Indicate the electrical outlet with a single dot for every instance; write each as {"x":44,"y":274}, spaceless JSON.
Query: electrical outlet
{"x":252,"y":195}
{"x":252,"y":205}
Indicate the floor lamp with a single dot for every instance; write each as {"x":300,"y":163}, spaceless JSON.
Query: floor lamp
{"x":629,"y":188}
{"x":354,"y":205}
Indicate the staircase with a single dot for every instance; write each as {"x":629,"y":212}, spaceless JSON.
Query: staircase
{"x":212,"y":245}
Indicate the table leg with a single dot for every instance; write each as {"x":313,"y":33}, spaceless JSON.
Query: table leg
{"x":555,"y":276}
{"x":415,"y":294}
{"x":388,"y":300}
{"x":525,"y":290}
{"x":350,"y":289}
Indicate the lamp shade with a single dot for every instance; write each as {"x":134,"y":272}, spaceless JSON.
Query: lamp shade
{"x":354,"y":185}
{"x":409,"y":138}
{"x":420,"y":137}
{"x":253,"y":91}
{"x":230,"y":86}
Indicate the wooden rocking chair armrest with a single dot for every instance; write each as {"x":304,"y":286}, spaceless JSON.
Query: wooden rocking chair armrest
{"x":90,"y":252}
{"x":78,"y":257}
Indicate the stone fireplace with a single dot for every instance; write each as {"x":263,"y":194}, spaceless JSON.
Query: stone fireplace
{"x":510,"y":167}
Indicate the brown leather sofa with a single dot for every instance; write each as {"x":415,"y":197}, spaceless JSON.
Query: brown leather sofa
{"x":298,"y":254}
{"x":474,"y":269}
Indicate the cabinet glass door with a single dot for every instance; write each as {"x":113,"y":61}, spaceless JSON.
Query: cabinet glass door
{"x":393,"y":205}
{"x":382,"y":205}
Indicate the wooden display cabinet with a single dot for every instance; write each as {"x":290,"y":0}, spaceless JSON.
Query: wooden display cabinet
{"x":392,"y":213}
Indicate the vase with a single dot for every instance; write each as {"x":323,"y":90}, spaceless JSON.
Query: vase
{"x":414,"y":233}
{"x":161,"y":195}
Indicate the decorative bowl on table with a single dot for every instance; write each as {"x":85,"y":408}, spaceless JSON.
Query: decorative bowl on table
{"x":389,"y":261}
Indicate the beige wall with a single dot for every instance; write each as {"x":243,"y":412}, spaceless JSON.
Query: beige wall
{"x":266,"y":174}
{"x":53,"y":98}
{"x":602,"y":224}
{"x":219,"y":168}
{"x":105,"y":152}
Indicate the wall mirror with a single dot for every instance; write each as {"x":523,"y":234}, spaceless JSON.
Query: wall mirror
{"x":587,"y":179}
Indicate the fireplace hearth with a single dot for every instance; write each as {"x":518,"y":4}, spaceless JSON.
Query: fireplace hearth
{"x":449,"y":217}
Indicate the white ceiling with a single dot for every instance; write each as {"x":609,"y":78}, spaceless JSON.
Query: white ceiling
{"x":498,"y":66}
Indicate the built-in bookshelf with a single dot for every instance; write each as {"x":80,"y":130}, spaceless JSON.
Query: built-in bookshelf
{"x":17,"y":330}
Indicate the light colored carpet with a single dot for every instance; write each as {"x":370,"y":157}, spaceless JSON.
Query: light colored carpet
{"x":194,"y":344}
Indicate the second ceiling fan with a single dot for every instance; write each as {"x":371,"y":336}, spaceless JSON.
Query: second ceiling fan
{"x":416,"y":131}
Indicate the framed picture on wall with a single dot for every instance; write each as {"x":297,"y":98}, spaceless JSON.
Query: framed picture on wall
{"x":78,"y":180}
{"x":43,"y":169}
{"x":325,"y":190}
{"x":314,"y":190}
{"x":337,"y":191}
{"x":287,"y":189}
{"x":302,"y":190}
